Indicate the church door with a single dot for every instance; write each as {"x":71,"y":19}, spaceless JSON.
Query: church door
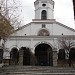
{"x":44,"y":55}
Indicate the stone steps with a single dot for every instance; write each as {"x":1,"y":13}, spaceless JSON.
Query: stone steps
{"x":36,"y":70}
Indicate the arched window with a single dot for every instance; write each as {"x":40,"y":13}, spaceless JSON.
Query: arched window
{"x":44,"y":15}
{"x":72,"y":54}
{"x":43,"y":32}
{"x":61,"y":54}
{"x":14,"y":56}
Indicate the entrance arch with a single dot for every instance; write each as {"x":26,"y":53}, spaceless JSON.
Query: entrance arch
{"x":14,"y":56}
{"x":44,"y":55}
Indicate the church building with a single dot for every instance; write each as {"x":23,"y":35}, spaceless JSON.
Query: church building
{"x":38,"y":42}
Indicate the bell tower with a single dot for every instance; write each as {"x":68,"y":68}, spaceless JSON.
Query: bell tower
{"x":44,"y":9}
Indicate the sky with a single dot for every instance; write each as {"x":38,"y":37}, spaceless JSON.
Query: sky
{"x":63,"y":12}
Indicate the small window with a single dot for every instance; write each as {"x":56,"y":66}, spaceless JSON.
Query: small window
{"x":43,"y":26}
{"x":43,"y":4}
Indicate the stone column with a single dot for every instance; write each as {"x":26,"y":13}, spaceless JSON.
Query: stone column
{"x":55,"y":58}
{"x":20,"y":62}
{"x":32,"y":58}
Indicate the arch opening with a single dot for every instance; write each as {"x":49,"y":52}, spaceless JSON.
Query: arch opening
{"x":72,"y":54}
{"x":44,"y":55}
{"x":44,"y":15}
{"x":61,"y":54}
{"x":14,"y":55}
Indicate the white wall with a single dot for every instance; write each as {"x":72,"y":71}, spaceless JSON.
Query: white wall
{"x":54,"y":29}
{"x":29,"y":42}
{"x":58,"y":30}
{"x":19,"y":42}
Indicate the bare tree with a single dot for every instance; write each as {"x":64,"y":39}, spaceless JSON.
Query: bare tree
{"x":11,"y":10}
{"x":9,"y":18}
{"x":67,"y":45}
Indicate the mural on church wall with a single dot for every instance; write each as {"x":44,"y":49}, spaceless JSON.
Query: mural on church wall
{"x":43,"y":32}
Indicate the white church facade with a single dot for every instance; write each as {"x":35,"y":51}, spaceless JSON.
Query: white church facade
{"x":41,"y":36}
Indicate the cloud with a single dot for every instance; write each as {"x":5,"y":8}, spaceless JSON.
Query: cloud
{"x":63,"y":12}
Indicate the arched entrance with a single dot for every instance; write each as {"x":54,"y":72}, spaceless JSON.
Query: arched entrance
{"x":44,"y":55}
{"x":14,"y":56}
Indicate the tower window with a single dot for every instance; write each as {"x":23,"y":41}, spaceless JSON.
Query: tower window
{"x":43,"y":4}
{"x":44,"y":15}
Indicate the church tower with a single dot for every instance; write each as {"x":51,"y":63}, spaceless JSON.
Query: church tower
{"x":44,"y":9}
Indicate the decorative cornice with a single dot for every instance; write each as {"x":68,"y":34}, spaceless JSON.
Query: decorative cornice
{"x":65,"y":26}
{"x":42,"y":1}
{"x":44,"y":21}
{"x":46,"y":37}
{"x":23,"y":26}
{"x":48,"y":21}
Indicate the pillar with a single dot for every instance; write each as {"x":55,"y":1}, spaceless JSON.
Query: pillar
{"x":55,"y":58}
{"x":20,"y":62}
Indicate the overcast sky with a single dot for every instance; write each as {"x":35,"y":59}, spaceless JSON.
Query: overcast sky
{"x":63,"y":12}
